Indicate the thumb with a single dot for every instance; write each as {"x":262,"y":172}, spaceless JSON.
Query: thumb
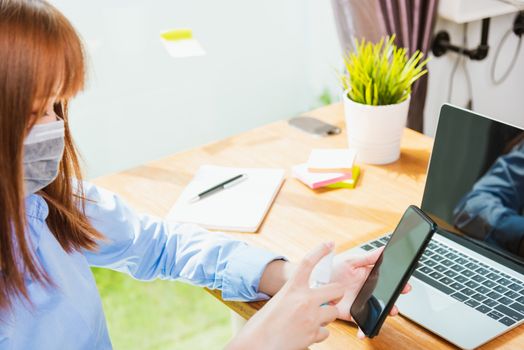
{"x":367,"y":259}
{"x":310,"y":260}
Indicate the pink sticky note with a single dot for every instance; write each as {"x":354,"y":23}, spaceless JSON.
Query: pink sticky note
{"x":317,"y":180}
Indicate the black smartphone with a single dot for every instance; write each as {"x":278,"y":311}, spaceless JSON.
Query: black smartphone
{"x":392,"y":270}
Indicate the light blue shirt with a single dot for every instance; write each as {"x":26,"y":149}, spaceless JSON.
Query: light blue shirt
{"x":70,"y":315}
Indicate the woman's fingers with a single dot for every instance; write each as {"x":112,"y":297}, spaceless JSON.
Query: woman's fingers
{"x":367,"y":259}
{"x":360,"y":334}
{"x":394,"y":311}
{"x":407,"y":289}
{"x":310,"y":260}
{"x":322,"y":335}
{"x":328,"y":314}
{"x":332,"y":292}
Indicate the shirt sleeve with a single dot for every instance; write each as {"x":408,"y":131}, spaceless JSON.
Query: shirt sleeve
{"x":492,"y":211}
{"x":147,"y":248}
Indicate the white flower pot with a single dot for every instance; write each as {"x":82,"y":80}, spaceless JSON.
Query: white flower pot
{"x":375,"y":131}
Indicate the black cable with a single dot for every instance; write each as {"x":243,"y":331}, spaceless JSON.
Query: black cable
{"x":469,"y":104}
{"x":452,"y":76}
{"x":504,"y":76}
{"x":518,"y":29}
{"x":461,"y":61}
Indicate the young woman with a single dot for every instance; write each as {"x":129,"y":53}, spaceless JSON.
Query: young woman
{"x":54,"y":226}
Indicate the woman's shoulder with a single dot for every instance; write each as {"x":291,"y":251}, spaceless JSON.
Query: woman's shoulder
{"x":36,"y":207}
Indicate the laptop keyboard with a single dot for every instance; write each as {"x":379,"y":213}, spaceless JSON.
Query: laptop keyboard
{"x":468,"y":280}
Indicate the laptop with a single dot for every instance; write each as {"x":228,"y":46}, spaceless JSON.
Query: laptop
{"x":469,"y":285}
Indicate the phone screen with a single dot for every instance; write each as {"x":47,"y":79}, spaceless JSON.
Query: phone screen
{"x":392,"y":270}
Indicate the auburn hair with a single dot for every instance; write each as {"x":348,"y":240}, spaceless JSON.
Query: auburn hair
{"x":41,"y":56}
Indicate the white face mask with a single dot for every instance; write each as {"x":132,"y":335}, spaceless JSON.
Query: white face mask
{"x":43,"y":150}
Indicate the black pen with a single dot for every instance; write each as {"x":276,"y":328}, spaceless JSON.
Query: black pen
{"x":221,"y":186}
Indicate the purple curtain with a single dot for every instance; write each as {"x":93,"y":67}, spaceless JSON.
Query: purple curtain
{"x":411,"y":20}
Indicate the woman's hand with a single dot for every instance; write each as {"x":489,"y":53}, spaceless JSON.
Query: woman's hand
{"x":352,"y":273}
{"x":297,"y":315}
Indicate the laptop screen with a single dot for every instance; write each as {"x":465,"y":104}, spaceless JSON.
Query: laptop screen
{"x":475,"y":183}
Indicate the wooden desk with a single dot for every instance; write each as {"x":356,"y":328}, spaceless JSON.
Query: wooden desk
{"x":301,"y":218}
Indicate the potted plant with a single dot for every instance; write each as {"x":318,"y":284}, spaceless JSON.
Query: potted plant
{"x":377,"y":88}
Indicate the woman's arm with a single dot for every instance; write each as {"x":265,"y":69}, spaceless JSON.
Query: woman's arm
{"x":296,"y":317}
{"x":148,"y":248}
{"x":275,"y":275}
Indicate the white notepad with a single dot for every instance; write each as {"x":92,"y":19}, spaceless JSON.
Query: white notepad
{"x":239,"y":208}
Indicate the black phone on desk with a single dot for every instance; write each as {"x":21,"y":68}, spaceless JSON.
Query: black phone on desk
{"x":392,"y":270}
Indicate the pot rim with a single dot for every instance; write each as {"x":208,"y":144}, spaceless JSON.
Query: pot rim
{"x":346,"y":98}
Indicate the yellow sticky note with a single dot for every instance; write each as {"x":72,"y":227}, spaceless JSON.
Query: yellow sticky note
{"x":349,"y":183}
{"x":177,"y":34}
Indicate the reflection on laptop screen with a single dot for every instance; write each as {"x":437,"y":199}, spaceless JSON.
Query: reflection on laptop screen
{"x":475,"y":183}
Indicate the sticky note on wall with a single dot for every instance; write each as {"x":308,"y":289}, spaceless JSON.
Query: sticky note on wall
{"x":181,"y":43}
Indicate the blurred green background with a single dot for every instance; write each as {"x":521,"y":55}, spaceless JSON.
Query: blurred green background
{"x":161,"y":314}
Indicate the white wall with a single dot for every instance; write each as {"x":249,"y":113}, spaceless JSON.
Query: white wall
{"x":267,"y":60}
{"x":323,"y":50}
{"x":141,"y":104}
{"x":504,"y":102}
